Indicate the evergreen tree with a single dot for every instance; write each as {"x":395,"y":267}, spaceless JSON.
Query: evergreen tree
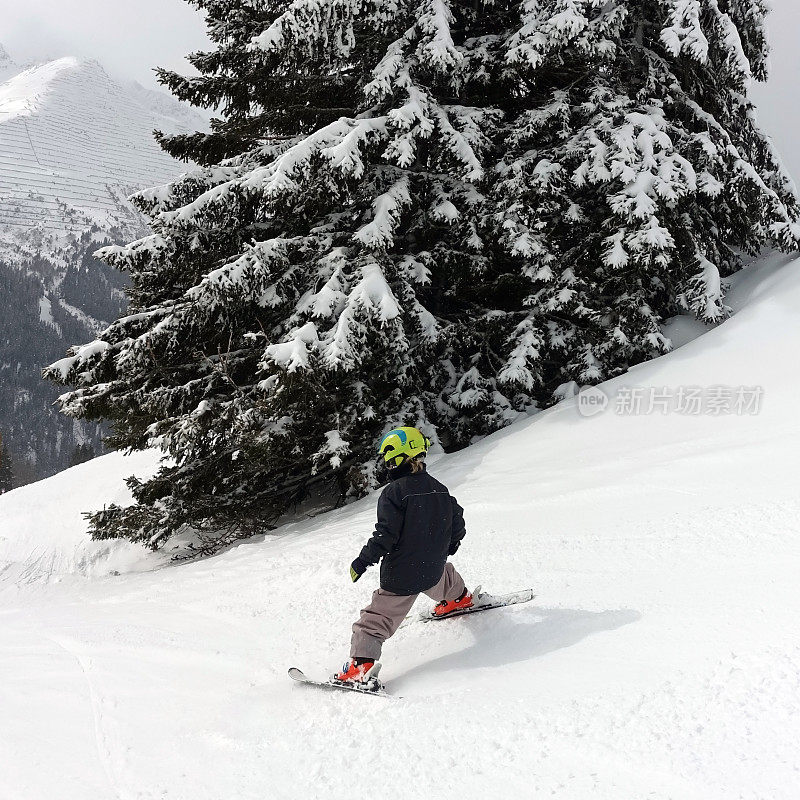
{"x":6,"y":474}
{"x":429,"y":213}
{"x":635,"y":177}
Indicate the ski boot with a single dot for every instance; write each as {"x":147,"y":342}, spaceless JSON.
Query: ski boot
{"x":361,"y":671}
{"x":449,"y":606}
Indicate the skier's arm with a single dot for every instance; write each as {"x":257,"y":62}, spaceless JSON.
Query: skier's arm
{"x":386,"y":535}
{"x":459,"y":527}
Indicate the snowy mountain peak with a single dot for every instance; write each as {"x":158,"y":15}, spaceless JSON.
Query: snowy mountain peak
{"x":74,"y":143}
{"x":25,"y":93}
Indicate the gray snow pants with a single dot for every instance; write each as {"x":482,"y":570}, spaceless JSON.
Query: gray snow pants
{"x":382,"y":617}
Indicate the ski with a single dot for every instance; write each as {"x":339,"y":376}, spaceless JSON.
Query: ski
{"x":483,"y":602}
{"x":373,"y":687}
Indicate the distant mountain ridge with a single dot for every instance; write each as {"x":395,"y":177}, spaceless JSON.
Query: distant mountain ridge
{"x":74,"y":144}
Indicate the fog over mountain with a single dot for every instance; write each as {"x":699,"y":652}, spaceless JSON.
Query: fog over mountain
{"x":129,"y":37}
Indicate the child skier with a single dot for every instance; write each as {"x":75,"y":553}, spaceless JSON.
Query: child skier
{"x":419,"y":525}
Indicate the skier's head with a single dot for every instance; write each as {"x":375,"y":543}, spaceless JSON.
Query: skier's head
{"x":402,"y":445}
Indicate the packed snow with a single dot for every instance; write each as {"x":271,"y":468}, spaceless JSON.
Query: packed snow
{"x":660,"y":658}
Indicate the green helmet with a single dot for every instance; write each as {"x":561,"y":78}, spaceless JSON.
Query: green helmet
{"x":401,"y":445}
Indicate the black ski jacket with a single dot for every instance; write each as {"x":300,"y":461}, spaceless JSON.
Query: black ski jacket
{"x":419,"y":525}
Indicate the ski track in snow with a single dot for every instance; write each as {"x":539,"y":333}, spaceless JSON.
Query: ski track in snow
{"x":105,"y":748}
{"x":660,"y":658}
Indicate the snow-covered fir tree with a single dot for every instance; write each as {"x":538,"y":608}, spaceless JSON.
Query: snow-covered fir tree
{"x":634,"y":176}
{"x":431,"y":212}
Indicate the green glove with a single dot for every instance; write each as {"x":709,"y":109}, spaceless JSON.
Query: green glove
{"x":357,"y":569}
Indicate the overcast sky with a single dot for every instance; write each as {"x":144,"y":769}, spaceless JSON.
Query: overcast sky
{"x":130,"y":37}
{"x":779,"y":101}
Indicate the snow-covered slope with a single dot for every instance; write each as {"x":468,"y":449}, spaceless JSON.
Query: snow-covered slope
{"x":660,"y":659}
{"x":42,"y":529}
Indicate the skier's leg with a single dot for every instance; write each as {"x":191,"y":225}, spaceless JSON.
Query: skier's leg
{"x":450,"y":587}
{"x":378,"y":621}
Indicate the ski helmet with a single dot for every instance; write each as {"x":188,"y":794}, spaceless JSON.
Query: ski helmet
{"x":401,"y":445}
